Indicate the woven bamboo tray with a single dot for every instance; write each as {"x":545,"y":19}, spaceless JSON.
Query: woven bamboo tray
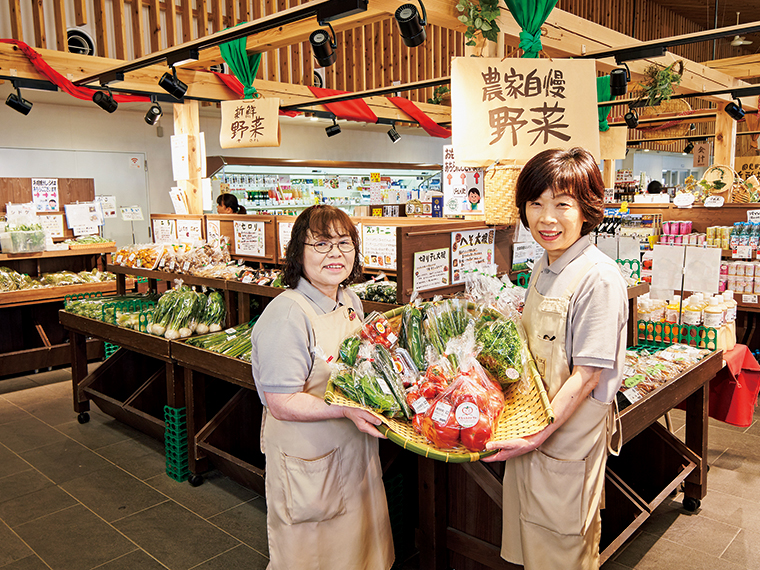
{"x":500,"y":183}
{"x":91,"y":245}
{"x":526,"y":411}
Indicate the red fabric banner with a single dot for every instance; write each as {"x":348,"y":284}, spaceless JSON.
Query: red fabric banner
{"x":354,"y":110}
{"x":431,"y":127}
{"x":84,"y":93}
{"x":233,"y":83}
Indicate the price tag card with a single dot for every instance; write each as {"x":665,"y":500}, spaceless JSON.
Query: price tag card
{"x":249,"y":238}
{"x":633,"y":395}
{"x":742,"y":252}
{"x":109,"y":205}
{"x":750,"y":299}
{"x":431,"y":269}
{"x":52,"y":224}
{"x":753,"y":216}
{"x":379,"y":247}
{"x":131,"y":213}
{"x":164,"y":231}
{"x":86,"y":230}
{"x":714,"y":201}
{"x":189,"y":230}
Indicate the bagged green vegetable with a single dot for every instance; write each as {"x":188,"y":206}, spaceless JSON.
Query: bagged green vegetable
{"x":504,"y":349}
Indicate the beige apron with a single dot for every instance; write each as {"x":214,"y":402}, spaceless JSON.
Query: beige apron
{"x":552,"y":495}
{"x":326,"y":505}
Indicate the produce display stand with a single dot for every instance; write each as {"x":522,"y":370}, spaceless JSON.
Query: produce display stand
{"x":31,"y":338}
{"x":460,"y":505}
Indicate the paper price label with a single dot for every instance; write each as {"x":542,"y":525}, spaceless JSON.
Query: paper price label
{"x":230,"y":331}
{"x":420,"y":405}
{"x":751,"y":299}
{"x":248,"y":278}
{"x":633,"y":395}
{"x":441,"y":412}
{"x":742,"y":252}
{"x":467,"y":414}
{"x":186,"y":266}
{"x":384,"y":386}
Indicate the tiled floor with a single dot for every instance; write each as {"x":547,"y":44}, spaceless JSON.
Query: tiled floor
{"x":96,"y":496}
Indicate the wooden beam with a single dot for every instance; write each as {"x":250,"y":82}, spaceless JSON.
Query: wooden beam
{"x":17,"y":32}
{"x":724,"y":151}
{"x":119,"y":28}
{"x":59,"y":13}
{"x":171,"y":23}
{"x":38,"y":17}
{"x":741,"y":67}
{"x":187,"y":20}
{"x":154,"y":21}
{"x":101,"y":33}
{"x":202,"y":18}
{"x":138,"y":29}
{"x":80,"y":12}
{"x":217,"y":13}
{"x":187,"y":122}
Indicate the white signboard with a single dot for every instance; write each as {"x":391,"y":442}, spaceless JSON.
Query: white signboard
{"x":45,"y":194}
{"x":20,"y":214}
{"x":52,"y":224}
{"x":86,"y":230}
{"x":86,"y":214}
{"x":469,"y":250}
{"x":108,"y":203}
{"x":131,"y":213}
{"x":249,"y":238}
{"x":431,"y":269}
{"x":283,"y":235}
{"x":753,"y":216}
{"x":379,"y":247}
{"x":515,"y":108}
{"x":189,"y":230}
{"x":164,"y":231}
{"x":463,"y":187}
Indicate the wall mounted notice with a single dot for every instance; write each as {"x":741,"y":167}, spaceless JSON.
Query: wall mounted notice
{"x":45,"y":194}
{"x":164,"y":231}
{"x":189,"y":230}
{"x":462,"y":187}
{"x":52,"y":224}
{"x":379,"y":247}
{"x":108,"y":203}
{"x":283,"y":235}
{"x":469,"y":250}
{"x":431,"y":269}
{"x":249,"y":238}
{"x":131,"y":213}
{"x":85,"y":214}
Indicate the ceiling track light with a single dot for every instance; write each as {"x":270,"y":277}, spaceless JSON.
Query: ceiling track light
{"x":631,"y":119}
{"x":105,"y":100}
{"x":154,"y":112}
{"x":393,"y":134}
{"x":619,"y":80}
{"x":172,"y":85}
{"x":410,"y":26}
{"x":333,"y":129}
{"x":734,"y":110}
{"x":689,"y":147}
{"x":323,"y":46}
{"x":16,"y":102}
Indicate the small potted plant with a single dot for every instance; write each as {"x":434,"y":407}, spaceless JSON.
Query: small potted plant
{"x":480,"y":18}
{"x":441,"y":96}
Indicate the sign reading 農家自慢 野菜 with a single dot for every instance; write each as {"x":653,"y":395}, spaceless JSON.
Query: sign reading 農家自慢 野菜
{"x":249,"y":238}
{"x":470,"y":250}
{"x":512,"y":109}
{"x":250,"y":122}
{"x":379,"y":247}
{"x":462,"y":187}
{"x":431,"y":269}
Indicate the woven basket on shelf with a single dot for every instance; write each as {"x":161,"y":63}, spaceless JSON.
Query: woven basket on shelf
{"x":727,"y":176}
{"x":526,"y":411}
{"x":677,"y":127}
{"x":499,"y":185}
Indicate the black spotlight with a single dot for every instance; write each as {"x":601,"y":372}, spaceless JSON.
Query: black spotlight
{"x":105,"y":101}
{"x":619,"y":79}
{"x":393,"y":135}
{"x":735,"y":111}
{"x":153,"y":114}
{"x":333,"y":129}
{"x":323,"y":46}
{"x":410,"y":26}
{"x":631,"y":119}
{"x":172,"y":85}
{"x":689,"y":147}
{"x":16,"y":102}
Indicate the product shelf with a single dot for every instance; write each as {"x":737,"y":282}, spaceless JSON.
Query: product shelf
{"x":94,"y":250}
{"x":51,"y":294}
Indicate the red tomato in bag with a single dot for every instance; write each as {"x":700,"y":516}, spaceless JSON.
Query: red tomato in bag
{"x":467,"y":390}
{"x":429,"y":390}
{"x":442,"y":436}
{"x":475,"y":438}
{"x":417,"y":423}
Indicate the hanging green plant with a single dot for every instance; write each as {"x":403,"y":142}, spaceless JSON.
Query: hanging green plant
{"x":480,"y":18}
{"x":439,"y":94}
{"x":660,"y":82}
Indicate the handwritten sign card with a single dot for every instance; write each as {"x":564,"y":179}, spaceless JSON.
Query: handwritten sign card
{"x":52,"y":224}
{"x":283,"y":234}
{"x":516,"y":108}
{"x":249,"y":238}
{"x":471,"y":249}
{"x":249,"y":123}
{"x":431,"y":269}
{"x":164,"y":231}
{"x":189,"y":230}
{"x":379,"y":247}
{"x":463,"y":189}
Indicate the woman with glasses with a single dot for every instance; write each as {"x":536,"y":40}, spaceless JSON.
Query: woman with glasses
{"x":326,"y":505}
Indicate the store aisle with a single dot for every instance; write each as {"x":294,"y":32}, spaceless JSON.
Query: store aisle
{"x":78,"y":497}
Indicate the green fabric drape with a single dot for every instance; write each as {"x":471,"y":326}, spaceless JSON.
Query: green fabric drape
{"x":530,"y":15}
{"x":243,"y":66}
{"x":603,"y":94}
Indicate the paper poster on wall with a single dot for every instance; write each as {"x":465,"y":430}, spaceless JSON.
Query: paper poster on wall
{"x":283,"y":236}
{"x":85,"y":214}
{"x":135,"y":162}
{"x":189,"y":230}
{"x":52,"y":224}
{"x":470,"y":250}
{"x":45,"y":194}
{"x":379,"y":247}
{"x":108,"y":203}
{"x":213,"y":229}
{"x":512,"y":109}
{"x":431,"y":269}
{"x":131,"y":213}
{"x":180,"y":160}
{"x":249,"y":238}
{"x":250,"y":123}
{"x":164,"y":231}
{"x":463,"y":188}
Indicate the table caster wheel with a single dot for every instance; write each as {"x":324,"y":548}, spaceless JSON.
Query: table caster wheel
{"x":83,"y":418}
{"x":691,"y":504}
{"x":196,"y":480}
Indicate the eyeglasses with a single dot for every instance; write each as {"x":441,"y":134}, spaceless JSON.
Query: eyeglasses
{"x":346,"y":246}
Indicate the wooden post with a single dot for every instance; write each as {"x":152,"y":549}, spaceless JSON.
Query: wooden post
{"x":725,"y":139}
{"x":187,"y":122}
{"x":608,"y":173}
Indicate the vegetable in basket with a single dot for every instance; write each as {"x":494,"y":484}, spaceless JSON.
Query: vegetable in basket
{"x":377,"y":329}
{"x":411,"y":335}
{"x":502,"y":349}
{"x":214,"y":313}
{"x":383,"y":363}
{"x":349,"y":349}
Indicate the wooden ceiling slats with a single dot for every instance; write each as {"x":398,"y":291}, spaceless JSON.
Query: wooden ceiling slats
{"x":17,"y":32}
{"x":38,"y":18}
{"x":59,"y":14}
{"x":154,"y":23}
{"x":138,"y":29}
{"x":120,"y":29}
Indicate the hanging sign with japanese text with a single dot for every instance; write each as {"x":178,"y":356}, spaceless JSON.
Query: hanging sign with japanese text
{"x":251,"y":122}
{"x":701,"y":154}
{"x":747,"y":166}
{"x":379,"y":247}
{"x":471,"y":249}
{"x":249,"y":238}
{"x":431,"y":269}
{"x":462,"y":187}
{"x":164,"y":231}
{"x":189,"y":230}
{"x":45,"y":194}
{"x":515,"y":108}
